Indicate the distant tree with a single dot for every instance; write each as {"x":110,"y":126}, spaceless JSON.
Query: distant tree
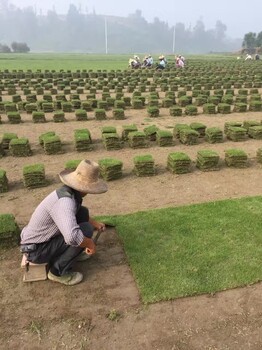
{"x":259,"y":40}
{"x":20,"y":47}
{"x":4,"y":49}
{"x":249,"y":41}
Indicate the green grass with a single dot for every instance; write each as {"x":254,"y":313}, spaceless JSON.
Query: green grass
{"x":184,"y":251}
{"x":55,"y":61}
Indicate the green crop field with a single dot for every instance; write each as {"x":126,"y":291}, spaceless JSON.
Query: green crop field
{"x":55,"y":61}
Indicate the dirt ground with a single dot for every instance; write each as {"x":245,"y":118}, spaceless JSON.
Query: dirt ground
{"x":105,"y":311}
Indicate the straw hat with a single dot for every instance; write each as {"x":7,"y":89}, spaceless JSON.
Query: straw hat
{"x":161,"y":57}
{"x":84,"y":178}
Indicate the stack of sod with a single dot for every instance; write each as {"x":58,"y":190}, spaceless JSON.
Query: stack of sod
{"x":167,"y":102}
{"x":144,"y":165}
{"x":164,"y":138}
{"x":240,"y":107}
{"x":118,"y":114}
{"x":48,"y":107}
{"x":150,"y":132}
{"x":207,"y":160}
{"x":72,"y":164}
{"x":20,"y":147}
{"x":248,"y":123}
{"x":80,"y":114}
{"x":48,"y":98}
{"x":31,"y":107}
{"x":200,"y":128}
{"x":127,"y":100}
{"x":67,"y":107}
{"x":10,"y":107}
{"x":38,"y":117}
{"x":178,"y":163}
{"x":236,"y":134}
{"x":137,"y":103}
{"x":59,"y":97}
{"x":110,"y":169}
{"x":7,"y":137}
{"x":119,"y":104}
{"x":2,"y":151}
{"x":214,"y":135}
{"x":178,"y":128}
{"x":9,"y":231}
{"x":34,"y":176}
{"x":3,"y":181}
{"x":111,"y":141}
{"x":153,"y":111}
{"x":100,"y":114}
{"x":52,"y":144}
{"x":236,"y":158}
{"x":83,"y":141}
{"x":224,"y":108}
{"x":127,"y":129}
{"x":191,"y":110}
{"x":209,"y":108}
{"x":31,"y":98}
{"x":259,"y":155}
{"x":46,"y":134}
{"x":14,"y":117}
{"x":255,"y":132}
{"x":175,"y":111}
{"x":102,"y":105}
{"x":227,"y":125}
{"x":188,"y":136}
{"x":255,"y":106}
{"x":137,"y":139}
{"x":86,"y":105}
{"x":59,"y":117}
{"x":76,"y":104}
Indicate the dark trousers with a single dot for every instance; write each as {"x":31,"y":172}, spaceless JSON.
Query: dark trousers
{"x":60,"y":256}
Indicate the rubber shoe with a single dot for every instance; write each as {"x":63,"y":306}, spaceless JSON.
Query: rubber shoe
{"x":70,"y":279}
{"x":83,"y":256}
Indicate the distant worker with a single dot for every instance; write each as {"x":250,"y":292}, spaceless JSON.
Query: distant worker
{"x":180,"y":61}
{"x":162,"y":62}
{"x":132,"y":63}
{"x":257,"y":57}
{"x":148,"y":61}
{"x":248,"y":57}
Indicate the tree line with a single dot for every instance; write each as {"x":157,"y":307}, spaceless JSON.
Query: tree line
{"x":87,"y":32}
{"x":252,"y":42}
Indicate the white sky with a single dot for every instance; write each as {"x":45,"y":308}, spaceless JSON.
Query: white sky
{"x":240,"y":16}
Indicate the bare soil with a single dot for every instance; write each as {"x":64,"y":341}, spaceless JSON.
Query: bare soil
{"x":105,"y":311}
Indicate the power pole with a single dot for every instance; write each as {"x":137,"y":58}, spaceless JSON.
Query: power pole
{"x":106,"y":41}
{"x":174,"y":39}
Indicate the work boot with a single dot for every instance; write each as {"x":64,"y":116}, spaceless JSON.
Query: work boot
{"x":70,"y":279}
{"x":83,"y":257}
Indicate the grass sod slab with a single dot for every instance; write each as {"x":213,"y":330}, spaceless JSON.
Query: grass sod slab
{"x":196,"y":249}
{"x":9,"y":231}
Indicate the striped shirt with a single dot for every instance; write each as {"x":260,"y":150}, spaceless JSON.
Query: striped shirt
{"x":52,"y":217}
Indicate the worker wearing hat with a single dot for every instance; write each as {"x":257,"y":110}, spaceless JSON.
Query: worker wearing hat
{"x":60,"y":228}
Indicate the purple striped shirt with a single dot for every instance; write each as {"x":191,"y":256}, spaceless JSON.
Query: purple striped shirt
{"x":53,"y":216}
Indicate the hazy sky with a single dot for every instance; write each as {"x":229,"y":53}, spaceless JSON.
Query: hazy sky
{"x":240,"y":16}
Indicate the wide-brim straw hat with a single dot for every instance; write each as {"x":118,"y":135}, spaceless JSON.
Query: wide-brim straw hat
{"x":85,"y":178}
{"x":161,"y":57}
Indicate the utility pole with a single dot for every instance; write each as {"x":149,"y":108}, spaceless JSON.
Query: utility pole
{"x":106,"y":42}
{"x":174,"y":39}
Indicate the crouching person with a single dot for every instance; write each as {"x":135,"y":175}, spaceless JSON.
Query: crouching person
{"x":60,"y":229}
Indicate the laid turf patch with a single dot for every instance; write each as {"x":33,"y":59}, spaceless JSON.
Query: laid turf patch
{"x":203,"y":248}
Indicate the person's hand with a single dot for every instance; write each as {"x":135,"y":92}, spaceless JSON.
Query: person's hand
{"x":91,"y":247}
{"x":99,"y":226}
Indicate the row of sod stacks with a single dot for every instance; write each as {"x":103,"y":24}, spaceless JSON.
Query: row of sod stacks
{"x":150,"y":132}
{"x":9,"y":231}
{"x":236,"y":134}
{"x":111,"y":140}
{"x":83,"y":141}
{"x":259,"y":155}
{"x":236,"y":158}
{"x":178,"y":163}
{"x":137,"y":139}
{"x":3,"y":181}
{"x":144,"y":165}
{"x":164,"y":138}
{"x":110,"y":169}
{"x":207,"y":160}
{"x":214,"y":135}
{"x":127,"y":129}
{"x":20,"y":147}
{"x":7,"y":137}
{"x":34,"y":176}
